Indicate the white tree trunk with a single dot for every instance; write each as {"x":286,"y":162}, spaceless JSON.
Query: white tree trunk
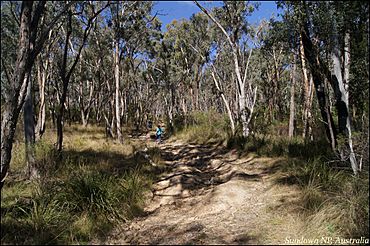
{"x":307,"y":88}
{"x":226,"y":103}
{"x":42,"y":74}
{"x":342,"y":98}
{"x":245,"y":107}
{"x":292,"y":106}
{"x":352,"y":155}
{"x":116,"y":75}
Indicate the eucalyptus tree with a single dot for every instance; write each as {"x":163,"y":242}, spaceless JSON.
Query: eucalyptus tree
{"x":169,"y":77}
{"x":291,"y":36}
{"x":138,"y":49}
{"x":32,"y":36}
{"x":129,"y":46}
{"x":344,"y":16}
{"x":92,"y":74}
{"x":198,"y":37}
{"x":44,"y":64}
{"x":276,"y":44}
{"x":191,"y":43}
{"x":96,"y":65}
{"x":325,"y":38}
{"x":315,"y":63}
{"x":180,"y":66}
{"x":181,"y":63}
{"x":79,"y":21}
{"x":231,"y":21}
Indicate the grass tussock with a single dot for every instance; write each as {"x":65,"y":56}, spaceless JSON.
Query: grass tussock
{"x":333,"y":202}
{"x":344,"y":212}
{"x":82,"y":194}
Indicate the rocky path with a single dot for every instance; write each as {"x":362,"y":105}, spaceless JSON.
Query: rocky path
{"x":213,"y":196}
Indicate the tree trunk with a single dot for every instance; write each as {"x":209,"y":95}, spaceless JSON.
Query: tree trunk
{"x":243,"y":116}
{"x":292,"y":106}
{"x":243,"y":110}
{"x":29,"y":132}
{"x":65,"y":80}
{"x":66,"y":76}
{"x":340,"y":86}
{"x":86,"y":109}
{"x":116,"y":75}
{"x":352,"y":156}
{"x":16,"y":96}
{"x":306,"y":97}
{"x":246,"y":102}
{"x":60,"y":116}
{"x":318,"y":75}
{"x":309,"y":112}
{"x":41,"y":77}
{"x":28,"y":51}
{"x":226,"y":103}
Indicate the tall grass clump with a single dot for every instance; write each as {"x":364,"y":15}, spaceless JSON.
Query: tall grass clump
{"x":92,"y":193}
{"x":73,"y":210}
{"x":333,"y":201}
{"x":275,"y":146}
{"x":134,"y":184}
{"x":33,"y":218}
{"x":342,"y":212}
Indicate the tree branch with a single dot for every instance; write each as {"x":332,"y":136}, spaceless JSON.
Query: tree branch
{"x":216,"y":22}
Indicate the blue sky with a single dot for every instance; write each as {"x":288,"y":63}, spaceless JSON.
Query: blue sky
{"x":170,"y":10}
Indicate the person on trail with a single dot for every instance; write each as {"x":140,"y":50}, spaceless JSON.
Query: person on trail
{"x":158,"y":133}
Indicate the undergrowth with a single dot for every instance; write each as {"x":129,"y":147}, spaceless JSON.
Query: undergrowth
{"x":82,"y":194}
{"x":202,"y":128}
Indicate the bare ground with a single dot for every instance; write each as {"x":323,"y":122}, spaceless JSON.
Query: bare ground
{"x":213,"y":196}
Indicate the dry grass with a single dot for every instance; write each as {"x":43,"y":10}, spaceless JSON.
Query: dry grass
{"x":332,"y":202}
{"x":204,"y":128}
{"x":82,"y":193}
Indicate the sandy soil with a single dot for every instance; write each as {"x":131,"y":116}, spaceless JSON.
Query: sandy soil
{"x":214,"y":196}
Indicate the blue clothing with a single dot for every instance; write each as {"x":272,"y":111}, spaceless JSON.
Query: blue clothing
{"x":159,"y":132}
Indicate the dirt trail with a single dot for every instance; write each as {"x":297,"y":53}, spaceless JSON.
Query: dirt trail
{"x":212,"y":196}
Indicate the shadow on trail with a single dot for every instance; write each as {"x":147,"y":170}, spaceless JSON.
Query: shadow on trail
{"x":191,"y":172}
{"x":195,"y":169}
{"x":208,"y":194}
